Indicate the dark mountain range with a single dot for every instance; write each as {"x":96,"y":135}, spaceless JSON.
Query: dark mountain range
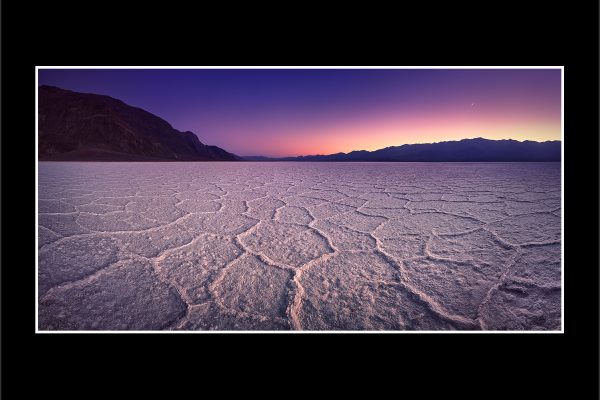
{"x":466,"y":150}
{"x":90,"y":127}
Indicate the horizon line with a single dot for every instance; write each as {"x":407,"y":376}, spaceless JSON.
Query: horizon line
{"x":404,"y":144}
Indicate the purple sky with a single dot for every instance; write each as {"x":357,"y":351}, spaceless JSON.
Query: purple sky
{"x":298,"y":112}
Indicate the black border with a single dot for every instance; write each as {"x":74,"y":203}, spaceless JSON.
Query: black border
{"x":525,"y":33}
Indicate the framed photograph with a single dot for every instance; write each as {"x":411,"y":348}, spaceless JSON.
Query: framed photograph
{"x":327,"y":199}
{"x":386,"y":193}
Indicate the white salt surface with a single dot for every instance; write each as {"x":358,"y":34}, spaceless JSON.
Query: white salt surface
{"x":305,"y":246}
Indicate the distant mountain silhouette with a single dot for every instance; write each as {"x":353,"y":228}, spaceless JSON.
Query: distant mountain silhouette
{"x":263,"y":158}
{"x":466,"y":150}
{"x":90,"y":127}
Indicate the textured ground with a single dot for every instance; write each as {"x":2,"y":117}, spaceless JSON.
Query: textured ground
{"x":312,"y":246}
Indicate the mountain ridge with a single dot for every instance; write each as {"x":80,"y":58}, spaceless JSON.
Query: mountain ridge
{"x":464,"y":150}
{"x":76,"y":126}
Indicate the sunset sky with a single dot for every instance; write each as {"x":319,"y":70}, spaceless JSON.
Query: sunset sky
{"x":322,"y":111}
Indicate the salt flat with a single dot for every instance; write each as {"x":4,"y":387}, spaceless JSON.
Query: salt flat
{"x":305,"y":246}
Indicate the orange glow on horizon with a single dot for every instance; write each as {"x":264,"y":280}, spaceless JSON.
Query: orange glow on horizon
{"x":377,"y":134}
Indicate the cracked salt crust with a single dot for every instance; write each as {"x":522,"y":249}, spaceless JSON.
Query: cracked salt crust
{"x":305,"y":246}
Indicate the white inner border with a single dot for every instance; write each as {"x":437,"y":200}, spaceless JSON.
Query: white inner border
{"x":562,"y":187}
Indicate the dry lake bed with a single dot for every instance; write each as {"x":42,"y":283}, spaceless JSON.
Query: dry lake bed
{"x":301,"y":246}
